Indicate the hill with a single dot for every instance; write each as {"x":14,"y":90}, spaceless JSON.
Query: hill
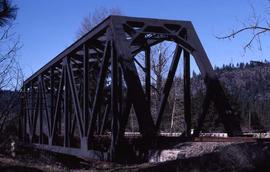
{"x":248,"y":88}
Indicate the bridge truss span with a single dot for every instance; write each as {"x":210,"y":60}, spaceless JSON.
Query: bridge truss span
{"x":79,"y":103}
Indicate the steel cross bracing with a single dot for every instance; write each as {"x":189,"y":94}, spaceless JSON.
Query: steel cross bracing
{"x":91,"y":86}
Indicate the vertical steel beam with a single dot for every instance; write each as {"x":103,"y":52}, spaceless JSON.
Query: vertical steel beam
{"x":114,"y":103}
{"x":28,"y":111}
{"x":187,"y":108}
{"x":40,"y":110}
{"x":35,"y":115}
{"x":32,"y":106}
{"x":51,"y":103}
{"x":85,"y":88}
{"x":60,"y":116}
{"x":24,"y":113}
{"x":147,"y":77}
{"x":84,"y":139}
{"x":66,"y":111}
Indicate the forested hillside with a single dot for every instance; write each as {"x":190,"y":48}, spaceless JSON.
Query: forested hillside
{"x":248,"y":89}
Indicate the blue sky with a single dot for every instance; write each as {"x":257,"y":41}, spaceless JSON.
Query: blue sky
{"x":47,"y":27}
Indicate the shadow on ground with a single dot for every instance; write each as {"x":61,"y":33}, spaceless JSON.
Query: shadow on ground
{"x":240,"y":157}
{"x":19,"y":169}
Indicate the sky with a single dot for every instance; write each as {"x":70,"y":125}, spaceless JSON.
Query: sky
{"x":47,"y":27}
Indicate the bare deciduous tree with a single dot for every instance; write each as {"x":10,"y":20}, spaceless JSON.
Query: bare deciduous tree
{"x":95,"y":18}
{"x":257,"y":26}
{"x":11,"y":76}
{"x":160,"y":65}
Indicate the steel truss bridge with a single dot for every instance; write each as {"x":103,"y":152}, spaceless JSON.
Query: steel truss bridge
{"x":90,"y":87}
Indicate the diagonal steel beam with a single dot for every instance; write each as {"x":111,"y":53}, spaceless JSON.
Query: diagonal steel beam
{"x":74,"y":95}
{"x":125,"y":113}
{"x":35,"y":114}
{"x":45,"y":104}
{"x":132,"y":80}
{"x":58,"y":100}
{"x":168,"y":84}
{"x":85,"y":88}
{"x":205,"y":107}
{"x":105,"y":116}
{"x":100,"y":85}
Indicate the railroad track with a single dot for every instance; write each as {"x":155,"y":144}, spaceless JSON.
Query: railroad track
{"x":229,"y":139}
